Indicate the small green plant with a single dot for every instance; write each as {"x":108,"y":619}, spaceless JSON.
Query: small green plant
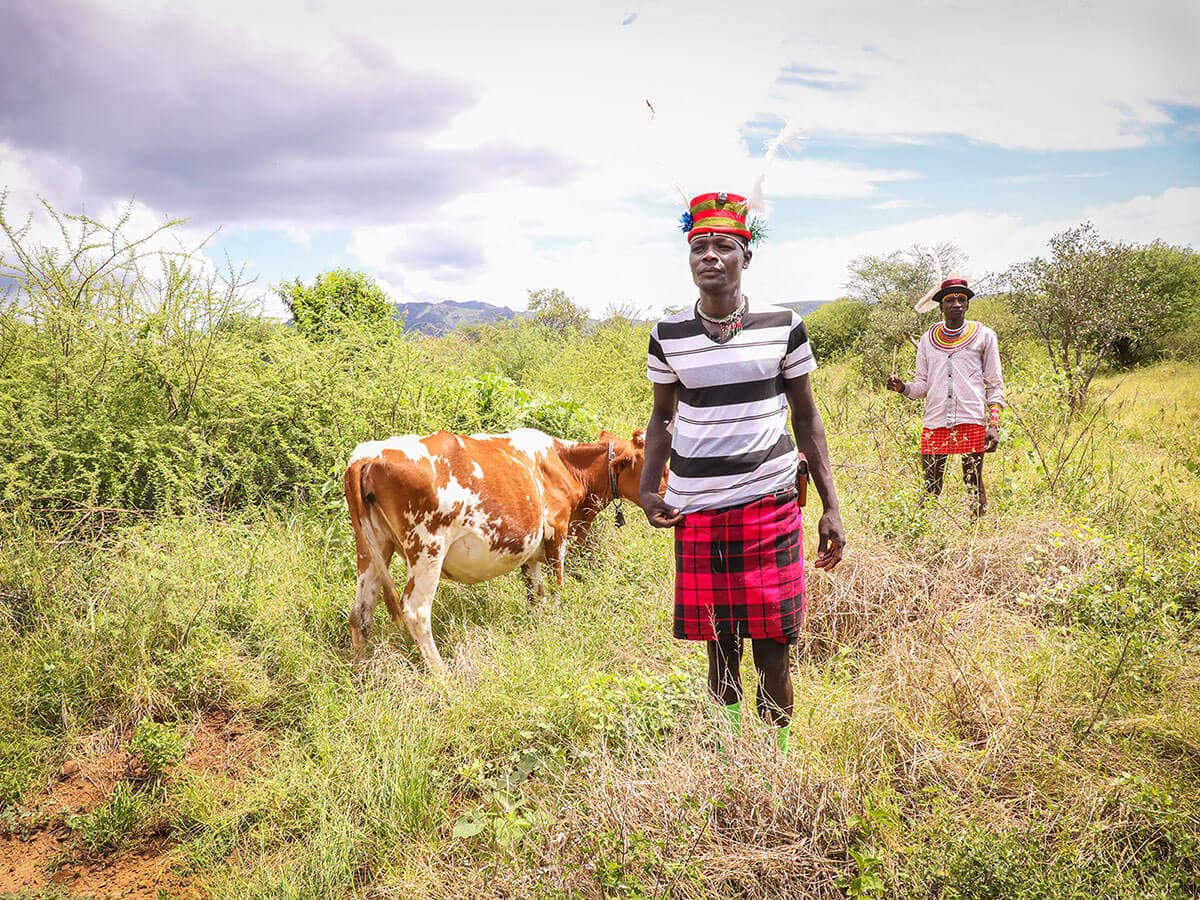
{"x":107,"y":827}
{"x":877,"y":818}
{"x":154,"y":748}
{"x":867,"y":882}
{"x":641,"y":706}
{"x":504,"y":816}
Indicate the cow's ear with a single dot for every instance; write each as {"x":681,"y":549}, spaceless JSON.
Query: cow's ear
{"x":639,"y":438}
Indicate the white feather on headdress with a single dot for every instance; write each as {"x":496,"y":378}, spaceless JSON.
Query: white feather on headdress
{"x":791,"y":135}
{"x":927,"y":303}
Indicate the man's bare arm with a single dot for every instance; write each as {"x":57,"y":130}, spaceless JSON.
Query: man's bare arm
{"x":658,"y":451}
{"x":810,"y":439}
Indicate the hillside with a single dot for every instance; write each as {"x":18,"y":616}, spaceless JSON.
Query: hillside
{"x":450,"y":315}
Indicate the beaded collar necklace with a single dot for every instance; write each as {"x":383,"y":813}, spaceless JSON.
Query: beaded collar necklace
{"x":727,"y":326}
{"x":953,"y":339}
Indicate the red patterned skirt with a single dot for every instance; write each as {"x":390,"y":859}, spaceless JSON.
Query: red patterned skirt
{"x":741,"y":571}
{"x":962,"y":438}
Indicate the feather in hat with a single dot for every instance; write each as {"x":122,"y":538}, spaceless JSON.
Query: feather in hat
{"x":927,"y":303}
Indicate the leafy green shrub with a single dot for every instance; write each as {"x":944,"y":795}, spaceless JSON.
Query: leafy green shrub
{"x":154,"y":747}
{"x":1184,"y":342}
{"x":976,"y":863}
{"x":630,"y":710}
{"x":834,"y":328}
{"x":502,"y":406}
{"x":334,"y":301}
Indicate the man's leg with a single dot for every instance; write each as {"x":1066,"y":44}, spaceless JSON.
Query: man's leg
{"x":935,"y":470}
{"x":972,"y":464}
{"x":725,"y":676}
{"x":773,"y":662}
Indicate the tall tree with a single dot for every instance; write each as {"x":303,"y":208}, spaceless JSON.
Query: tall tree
{"x":906,"y":274}
{"x":556,"y":310}
{"x":334,"y":299}
{"x":889,"y":286}
{"x":1081,"y":301}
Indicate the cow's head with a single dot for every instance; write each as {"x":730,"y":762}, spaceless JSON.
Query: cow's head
{"x":629,"y":457}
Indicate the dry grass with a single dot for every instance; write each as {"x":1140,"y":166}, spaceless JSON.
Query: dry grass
{"x":883,"y":587}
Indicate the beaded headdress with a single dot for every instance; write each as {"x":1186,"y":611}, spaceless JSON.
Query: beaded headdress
{"x":721,"y":213}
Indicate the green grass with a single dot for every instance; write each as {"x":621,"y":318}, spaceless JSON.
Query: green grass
{"x":1003,"y":708}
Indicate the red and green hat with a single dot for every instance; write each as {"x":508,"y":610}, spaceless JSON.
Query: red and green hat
{"x":721,"y":213}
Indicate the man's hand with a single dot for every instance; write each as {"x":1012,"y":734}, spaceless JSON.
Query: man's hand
{"x":833,"y":539}
{"x":991,"y":440}
{"x":658,"y":513}
{"x":895,"y":384}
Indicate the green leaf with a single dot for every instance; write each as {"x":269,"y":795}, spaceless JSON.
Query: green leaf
{"x":469,"y":825}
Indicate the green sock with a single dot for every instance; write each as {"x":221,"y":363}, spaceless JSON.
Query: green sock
{"x":782,"y":733}
{"x":733,"y":711}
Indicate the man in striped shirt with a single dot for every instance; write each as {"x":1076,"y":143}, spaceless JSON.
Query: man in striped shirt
{"x":726,"y":376}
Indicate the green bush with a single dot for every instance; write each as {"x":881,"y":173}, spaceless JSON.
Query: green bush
{"x":155,"y":747}
{"x":834,"y":328}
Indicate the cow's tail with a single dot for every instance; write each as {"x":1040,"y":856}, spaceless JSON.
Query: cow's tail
{"x":368,"y":520}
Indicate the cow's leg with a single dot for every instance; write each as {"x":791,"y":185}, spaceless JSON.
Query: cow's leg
{"x":373,"y":559}
{"x":362,"y":613}
{"x":535,"y":589}
{"x":554,"y":551}
{"x":423,"y":575}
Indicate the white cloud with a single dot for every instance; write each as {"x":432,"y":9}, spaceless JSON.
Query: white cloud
{"x":643,"y":261}
{"x":578,"y":82}
{"x":1173,"y":216}
{"x":1068,"y":75}
{"x":816,"y":269}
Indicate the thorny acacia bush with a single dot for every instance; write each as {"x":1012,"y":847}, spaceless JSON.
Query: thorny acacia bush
{"x":140,"y":380}
{"x":1004,"y":705}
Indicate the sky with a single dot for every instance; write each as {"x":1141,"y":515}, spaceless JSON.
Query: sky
{"x":472,"y":150}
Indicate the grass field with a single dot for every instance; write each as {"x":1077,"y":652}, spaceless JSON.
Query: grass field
{"x":1005,"y":708}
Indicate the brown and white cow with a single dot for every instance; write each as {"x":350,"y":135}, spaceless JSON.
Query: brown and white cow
{"x":470,"y":508}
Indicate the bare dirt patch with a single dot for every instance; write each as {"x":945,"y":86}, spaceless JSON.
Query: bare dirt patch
{"x":39,"y":851}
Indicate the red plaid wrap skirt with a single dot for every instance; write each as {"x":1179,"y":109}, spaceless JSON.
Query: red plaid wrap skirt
{"x":962,"y":438}
{"x":741,"y":571}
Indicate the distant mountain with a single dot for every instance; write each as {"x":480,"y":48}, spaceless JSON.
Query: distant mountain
{"x":804,"y":307}
{"x":450,"y":315}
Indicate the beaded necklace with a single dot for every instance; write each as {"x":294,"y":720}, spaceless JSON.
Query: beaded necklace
{"x":953,"y":339}
{"x":727,"y":326}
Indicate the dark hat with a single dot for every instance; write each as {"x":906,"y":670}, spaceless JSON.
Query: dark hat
{"x":955,"y":284}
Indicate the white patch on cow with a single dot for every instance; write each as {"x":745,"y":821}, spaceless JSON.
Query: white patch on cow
{"x":477,"y":470}
{"x":455,"y":494}
{"x":408,"y":444}
{"x":530,"y":441}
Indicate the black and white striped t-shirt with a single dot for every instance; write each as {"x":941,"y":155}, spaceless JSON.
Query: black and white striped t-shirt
{"x":730,"y":441}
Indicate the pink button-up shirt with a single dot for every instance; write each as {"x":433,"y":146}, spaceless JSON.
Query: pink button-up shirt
{"x":958,"y":385}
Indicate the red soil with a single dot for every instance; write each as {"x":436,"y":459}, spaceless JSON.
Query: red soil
{"x":40,"y":851}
